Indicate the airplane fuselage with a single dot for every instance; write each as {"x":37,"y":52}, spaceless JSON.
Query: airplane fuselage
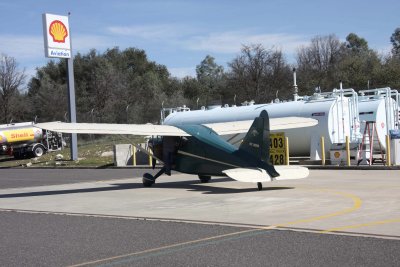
{"x":207,"y":153}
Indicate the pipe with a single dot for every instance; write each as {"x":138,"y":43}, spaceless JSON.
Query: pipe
{"x":395,"y":93}
{"x":354,"y":116}
{"x":295,"y":88}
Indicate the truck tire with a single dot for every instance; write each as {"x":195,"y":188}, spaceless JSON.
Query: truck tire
{"x":38,"y":150}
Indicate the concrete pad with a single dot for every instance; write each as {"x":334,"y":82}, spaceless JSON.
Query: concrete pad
{"x":350,"y":201}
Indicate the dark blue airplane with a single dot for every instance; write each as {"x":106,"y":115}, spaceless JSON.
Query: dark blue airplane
{"x":200,"y":150}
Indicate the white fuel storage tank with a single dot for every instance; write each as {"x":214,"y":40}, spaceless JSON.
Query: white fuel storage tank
{"x":332,"y":113}
{"x":376,"y":106}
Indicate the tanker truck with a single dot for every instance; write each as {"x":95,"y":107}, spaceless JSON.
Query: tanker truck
{"x":23,"y":140}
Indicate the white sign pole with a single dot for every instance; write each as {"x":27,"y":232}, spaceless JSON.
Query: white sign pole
{"x":71,"y":99}
{"x":58,"y":44}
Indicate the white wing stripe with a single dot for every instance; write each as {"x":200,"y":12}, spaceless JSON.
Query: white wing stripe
{"x":200,"y":157}
{"x":107,"y":128}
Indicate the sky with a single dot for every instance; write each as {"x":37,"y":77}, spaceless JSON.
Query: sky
{"x":181,"y":33}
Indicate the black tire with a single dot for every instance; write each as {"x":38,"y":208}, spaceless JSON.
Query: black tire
{"x":38,"y":150}
{"x":204,"y":178}
{"x":148,"y":180}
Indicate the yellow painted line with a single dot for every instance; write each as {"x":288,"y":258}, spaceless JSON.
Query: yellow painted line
{"x":356,"y":205}
{"x":357,"y":202}
{"x":397,"y":220}
{"x":166,"y":247}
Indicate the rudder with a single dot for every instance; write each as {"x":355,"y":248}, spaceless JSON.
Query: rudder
{"x":256,"y":141}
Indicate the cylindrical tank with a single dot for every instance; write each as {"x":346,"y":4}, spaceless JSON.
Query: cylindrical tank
{"x":332,"y":114}
{"x":380,"y":111}
{"x":23,"y":133}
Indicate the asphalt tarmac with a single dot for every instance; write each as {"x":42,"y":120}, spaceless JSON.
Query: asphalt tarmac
{"x":13,"y":178}
{"x":30,"y":239}
{"x":105,"y":218}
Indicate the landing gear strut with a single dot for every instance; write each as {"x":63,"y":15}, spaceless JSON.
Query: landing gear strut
{"x":148,"y":179}
{"x":259,"y":185}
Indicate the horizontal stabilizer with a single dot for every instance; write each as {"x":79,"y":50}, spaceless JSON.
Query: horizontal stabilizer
{"x":256,"y":175}
{"x":288,"y":172}
{"x":248,"y":175}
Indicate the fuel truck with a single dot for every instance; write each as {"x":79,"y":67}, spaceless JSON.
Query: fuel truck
{"x":24,"y":140}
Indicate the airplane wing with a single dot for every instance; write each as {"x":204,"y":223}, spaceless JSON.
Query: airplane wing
{"x":109,"y":128}
{"x":235,"y":127}
{"x":222,"y":128}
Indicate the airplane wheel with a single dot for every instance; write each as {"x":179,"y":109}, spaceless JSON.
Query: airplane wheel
{"x":259,"y":185}
{"x":204,"y":178}
{"x":148,"y":180}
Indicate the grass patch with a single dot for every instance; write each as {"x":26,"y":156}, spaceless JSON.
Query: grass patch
{"x":90,"y":151}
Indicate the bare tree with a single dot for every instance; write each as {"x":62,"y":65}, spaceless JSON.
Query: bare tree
{"x":258,"y":73}
{"x":318,"y":62}
{"x":10,"y":82}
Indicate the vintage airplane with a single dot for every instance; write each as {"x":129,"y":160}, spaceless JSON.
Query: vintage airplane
{"x":199,"y":149}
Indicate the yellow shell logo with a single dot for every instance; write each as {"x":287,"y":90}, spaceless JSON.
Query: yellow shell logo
{"x":58,"y":31}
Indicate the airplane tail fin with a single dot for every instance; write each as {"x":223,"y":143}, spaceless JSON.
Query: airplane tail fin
{"x":256,"y":142}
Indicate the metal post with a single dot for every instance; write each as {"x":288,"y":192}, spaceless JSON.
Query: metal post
{"x":322,"y":151}
{"x":348,"y":150}
{"x":388,"y":163}
{"x":134,"y":156}
{"x":72,"y":107}
{"x":71,"y":102}
{"x":287,"y":150}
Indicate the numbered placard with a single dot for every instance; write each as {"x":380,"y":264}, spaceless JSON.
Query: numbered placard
{"x":277,"y":149}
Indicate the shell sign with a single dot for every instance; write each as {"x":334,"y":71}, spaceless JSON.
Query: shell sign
{"x":56,"y":33}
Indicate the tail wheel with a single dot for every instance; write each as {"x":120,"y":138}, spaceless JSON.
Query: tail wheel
{"x":148,"y":180}
{"x":204,"y":178}
{"x":38,"y":150}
